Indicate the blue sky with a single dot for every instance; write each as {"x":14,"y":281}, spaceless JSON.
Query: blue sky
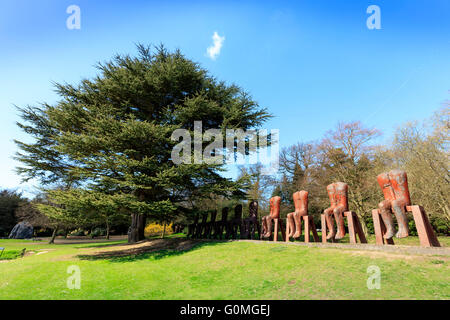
{"x":311,"y":63}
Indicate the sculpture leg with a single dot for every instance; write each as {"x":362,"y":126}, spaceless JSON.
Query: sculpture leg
{"x":244,"y":229}
{"x":269,"y":223}
{"x":237,"y":228}
{"x":258,"y":227}
{"x":248,"y":228}
{"x":241,"y":228}
{"x":339,"y":216}
{"x":264,"y":227}
{"x":330,"y":223}
{"x":253,"y":227}
{"x":230,"y":229}
{"x":233,"y":230}
{"x":386,"y":215}
{"x":223,"y":227}
{"x":227,"y":229}
{"x":298,"y":225}
{"x":290,"y":220}
{"x":399,"y":210}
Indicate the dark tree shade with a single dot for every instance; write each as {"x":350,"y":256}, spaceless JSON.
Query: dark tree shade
{"x":9,"y":203}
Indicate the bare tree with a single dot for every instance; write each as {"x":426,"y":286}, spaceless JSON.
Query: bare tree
{"x":347,"y":153}
{"x":423,"y":151}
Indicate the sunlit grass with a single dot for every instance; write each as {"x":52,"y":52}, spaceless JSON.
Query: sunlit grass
{"x":220,"y":270}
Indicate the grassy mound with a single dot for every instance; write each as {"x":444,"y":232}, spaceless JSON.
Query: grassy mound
{"x":11,"y":254}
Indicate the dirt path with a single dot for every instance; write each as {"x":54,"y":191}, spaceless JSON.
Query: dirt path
{"x":81,"y":240}
{"x":146,"y":246}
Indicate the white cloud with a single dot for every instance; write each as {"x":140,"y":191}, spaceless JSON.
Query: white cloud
{"x":214,"y":50}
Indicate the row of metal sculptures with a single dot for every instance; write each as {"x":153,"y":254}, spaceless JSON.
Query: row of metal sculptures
{"x":224,"y":228}
{"x":393,"y":184}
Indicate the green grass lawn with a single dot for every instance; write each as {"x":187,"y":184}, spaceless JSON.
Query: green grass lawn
{"x":220,"y":270}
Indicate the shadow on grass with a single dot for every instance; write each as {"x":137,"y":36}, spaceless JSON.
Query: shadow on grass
{"x":113,"y":243}
{"x":103,"y":245}
{"x":155,"y":249}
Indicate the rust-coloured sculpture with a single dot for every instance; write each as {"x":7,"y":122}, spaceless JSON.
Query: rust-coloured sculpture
{"x":394,"y":185}
{"x":251,"y":224}
{"x":301,"y":209}
{"x":396,"y":194}
{"x":337,"y":193}
{"x":267,"y":221}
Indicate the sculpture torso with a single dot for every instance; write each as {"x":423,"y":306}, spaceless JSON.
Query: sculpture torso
{"x":386,"y":187}
{"x":275,"y":207}
{"x":253,"y":210}
{"x":399,"y":183}
{"x":341,"y":194}
{"x":301,"y":202}
{"x":331,"y":190}
{"x":224,"y":214}
{"x":394,"y":186}
{"x":238,"y":212}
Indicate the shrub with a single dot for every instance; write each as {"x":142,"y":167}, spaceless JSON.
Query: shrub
{"x":43,"y":232}
{"x":412,"y":227}
{"x":440,"y":225}
{"x":154,"y":229}
{"x":97,"y":232}
{"x":370,"y":227}
{"x":77,"y":233}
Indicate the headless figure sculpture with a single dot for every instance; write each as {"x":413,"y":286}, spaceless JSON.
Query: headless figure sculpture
{"x":236,"y":223}
{"x":301,"y":209}
{"x":337,"y":192}
{"x":396,"y":194}
{"x":220,"y":226}
{"x":274,"y":214}
{"x":251,"y":223}
{"x":193,"y":226}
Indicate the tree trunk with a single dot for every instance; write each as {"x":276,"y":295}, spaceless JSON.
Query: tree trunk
{"x":164,"y":231}
{"x":136,"y":231}
{"x":107,"y":229}
{"x":360,"y":208}
{"x":142,"y":219}
{"x":52,"y":240}
{"x":363,"y":225}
